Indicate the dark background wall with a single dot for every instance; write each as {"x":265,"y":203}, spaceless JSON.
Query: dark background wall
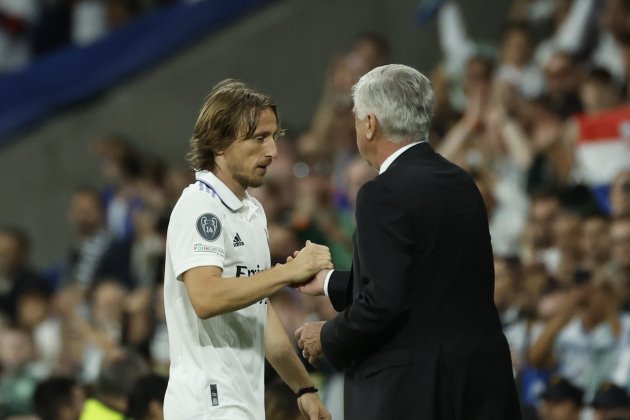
{"x":282,"y":49}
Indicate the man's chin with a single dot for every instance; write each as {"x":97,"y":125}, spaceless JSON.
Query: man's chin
{"x":255,"y":183}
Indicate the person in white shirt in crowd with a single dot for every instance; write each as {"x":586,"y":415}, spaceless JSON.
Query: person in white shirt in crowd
{"x":583,"y":339}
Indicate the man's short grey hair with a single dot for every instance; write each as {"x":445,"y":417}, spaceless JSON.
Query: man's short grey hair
{"x":400,"y":97}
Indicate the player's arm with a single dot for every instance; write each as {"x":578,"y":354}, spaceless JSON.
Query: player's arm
{"x":211,"y":294}
{"x":281,"y":355}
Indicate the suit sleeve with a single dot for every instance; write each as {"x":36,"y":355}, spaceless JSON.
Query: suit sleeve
{"x":384,"y":251}
{"x":340,"y":289}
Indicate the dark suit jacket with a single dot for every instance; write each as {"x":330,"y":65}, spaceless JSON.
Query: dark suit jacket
{"x":419,"y":335}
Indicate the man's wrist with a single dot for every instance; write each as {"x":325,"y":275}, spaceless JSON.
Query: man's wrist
{"x":284,"y":274}
{"x":306,"y":390}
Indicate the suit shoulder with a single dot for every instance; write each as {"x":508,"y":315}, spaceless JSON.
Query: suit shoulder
{"x":379,"y":190}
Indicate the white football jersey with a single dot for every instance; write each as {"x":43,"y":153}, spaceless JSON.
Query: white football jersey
{"x":217,"y":364}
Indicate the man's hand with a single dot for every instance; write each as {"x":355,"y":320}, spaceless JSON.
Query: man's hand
{"x":308,"y":339}
{"x":312,"y":407}
{"x":309,"y":261}
{"x":315,"y":285}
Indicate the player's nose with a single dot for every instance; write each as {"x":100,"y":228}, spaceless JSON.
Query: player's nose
{"x":271,"y":148}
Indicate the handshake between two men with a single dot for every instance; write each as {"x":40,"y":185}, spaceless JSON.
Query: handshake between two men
{"x":308,"y":335}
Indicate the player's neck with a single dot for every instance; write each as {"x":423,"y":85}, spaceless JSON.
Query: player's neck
{"x":231,"y":182}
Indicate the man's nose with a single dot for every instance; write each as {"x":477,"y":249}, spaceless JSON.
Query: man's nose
{"x":271,"y":148}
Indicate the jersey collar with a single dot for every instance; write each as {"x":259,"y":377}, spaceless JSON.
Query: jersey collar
{"x":228,"y":198}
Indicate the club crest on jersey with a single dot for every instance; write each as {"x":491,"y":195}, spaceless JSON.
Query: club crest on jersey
{"x":209,"y":226}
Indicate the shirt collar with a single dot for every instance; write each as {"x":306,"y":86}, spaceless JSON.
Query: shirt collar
{"x":225,"y":194}
{"x":391,"y":158}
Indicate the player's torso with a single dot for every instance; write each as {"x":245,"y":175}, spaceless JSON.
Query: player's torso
{"x":219,"y":367}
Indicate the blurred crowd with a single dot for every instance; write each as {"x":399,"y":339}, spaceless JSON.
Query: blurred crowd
{"x":32,"y":28}
{"x":523,"y":115}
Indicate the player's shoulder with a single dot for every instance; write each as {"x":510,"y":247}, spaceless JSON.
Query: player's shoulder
{"x":255,"y":201}
{"x":198,"y":197}
{"x":258,"y":205}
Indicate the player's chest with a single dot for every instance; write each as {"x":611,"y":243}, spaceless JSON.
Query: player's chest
{"x":246,"y":246}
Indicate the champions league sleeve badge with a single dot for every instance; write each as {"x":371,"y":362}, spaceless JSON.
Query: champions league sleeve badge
{"x":209,"y":226}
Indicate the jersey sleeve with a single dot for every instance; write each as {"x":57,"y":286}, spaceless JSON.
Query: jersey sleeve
{"x":195,"y":235}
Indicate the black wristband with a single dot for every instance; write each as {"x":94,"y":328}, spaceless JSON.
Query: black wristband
{"x":307,"y":390}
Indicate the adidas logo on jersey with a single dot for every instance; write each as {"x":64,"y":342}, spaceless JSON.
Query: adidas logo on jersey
{"x":238,"y":241}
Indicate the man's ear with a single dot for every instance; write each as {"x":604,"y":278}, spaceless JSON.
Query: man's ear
{"x":372,"y":126}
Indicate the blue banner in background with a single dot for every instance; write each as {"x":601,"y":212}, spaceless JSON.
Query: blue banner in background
{"x":77,"y":73}
{"x":427,"y":10}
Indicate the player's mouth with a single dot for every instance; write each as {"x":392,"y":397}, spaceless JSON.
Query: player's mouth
{"x":263,"y":167}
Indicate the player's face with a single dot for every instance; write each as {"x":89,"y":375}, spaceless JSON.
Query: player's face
{"x":247,"y":159}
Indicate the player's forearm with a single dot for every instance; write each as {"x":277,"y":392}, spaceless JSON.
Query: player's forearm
{"x":281,"y":354}
{"x":291,"y":370}
{"x":222,"y":295}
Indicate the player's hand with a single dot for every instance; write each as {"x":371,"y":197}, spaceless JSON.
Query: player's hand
{"x":312,"y":407}
{"x":309,"y":261}
{"x":308,"y":339}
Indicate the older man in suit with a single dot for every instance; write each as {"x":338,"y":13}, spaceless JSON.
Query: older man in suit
{"x":418,"y":334}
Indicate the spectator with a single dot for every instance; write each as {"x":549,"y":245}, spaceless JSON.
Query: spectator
{"x":619,"y":265}
{"x":90,"y":329}
{"x":538,"y":237}
{"x":94,"y":253}
{"x":17,"y":20}
{"x":16,"y":275}
{"x":561,"y":401}
{"x":88,"y":21}
{"x":53,"y":28}
{"x":36,"y":314}
{"x":121,"y":12}
{"x":147,"y":397}
{"x":614,"y":30}
{"x":553,"y":155}
{"x":332,"y":128}
{"x":599,"y":91}
{"x":611,"y":402}
{"x":566,"y":252}
{"x":20,"y":373}
{"x":562,"y":79}
{"x":58,"y":398}
{"x":582,"y":340}
{"x":517,"y":73}
{"x":595,"y":243}
{"x":506,"y":281}
{"x":113,"y":388}
{"x":507,"y":206}
{"x":620,"y":194}
{"x":122,"y":170}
